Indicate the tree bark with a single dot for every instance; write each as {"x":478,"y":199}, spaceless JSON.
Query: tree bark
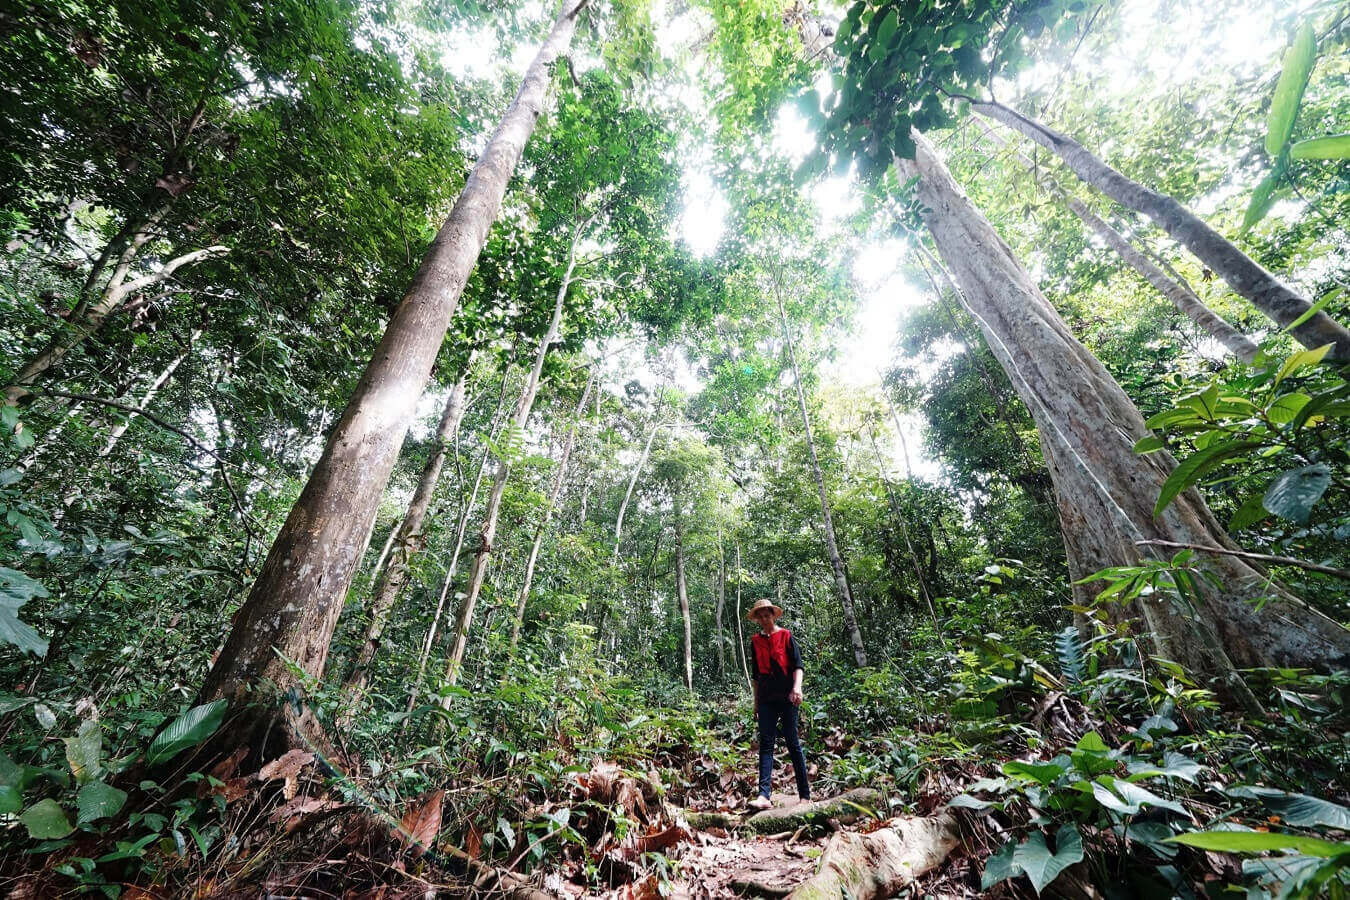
{"x":882,"y":862}
{"x":521,"y":416}
{"x":1266,"y":292}
{"x":291,"y":612}
{"x":682,"y":593}
{"x":721,"y":605}
{"x":1179,"y":294}
{"x":409,"y":540}
{"x":1088,"y":427}
{"x":523,"y":597}
{"x":827,"y":521}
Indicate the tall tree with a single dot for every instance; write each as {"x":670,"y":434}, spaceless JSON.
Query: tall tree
{"x":293,"y":607}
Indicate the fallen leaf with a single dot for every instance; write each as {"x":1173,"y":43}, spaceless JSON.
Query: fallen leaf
{"x":422,"y":822}
{"x":473,"y":841}
{"x":287,"y":767}
{"x":226,"y":768}
{"x":233,"y":789}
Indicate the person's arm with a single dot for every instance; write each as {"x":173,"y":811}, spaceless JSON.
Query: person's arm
{"x":795,"y":661}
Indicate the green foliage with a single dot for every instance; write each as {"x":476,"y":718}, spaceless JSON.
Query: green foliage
{"x":188,"y":730}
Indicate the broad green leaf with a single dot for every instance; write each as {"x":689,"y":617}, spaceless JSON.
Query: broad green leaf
{"x":1148,"y":444}
{"x":1000,"y":866}
{"x":1042,"y":773}
{"x":1248,"y":514}
{"x":1298,"y":65}
{"x":1258,"y":842}
{"x":1196,"y":466}
{"x":886,"y":30}
{"x":11,"y":799}
{"x":1040,"y":865}
{"x":1303,"y":359}
{"x":83,"y":752}
{"x":1303,"y":811}
{"x":1335,"y":146}
{"x":98,"y":800}
{"x":1294,"y":493}
{"x":1286,"y":407}
{"x":16,"y":589}
{"x":46,"y":820}
{"x":965,"y":801}
{"x":188,"y":730}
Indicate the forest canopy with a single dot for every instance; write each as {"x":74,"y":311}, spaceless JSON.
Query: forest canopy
{"x":450,"y":447}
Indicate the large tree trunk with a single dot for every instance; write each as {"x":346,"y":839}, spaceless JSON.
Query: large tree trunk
{"x":290,"y":614}
{"x":1106,"y":492}
{"x":521,"y":416}
{"x":409,"y":540}
{"x":523,"y":598}
{"x":1266,"y":292}
{"x":682,"y":593}
{"x":721,"y":605}
{"x":1180,"y":294}
{"x":826,"y":520}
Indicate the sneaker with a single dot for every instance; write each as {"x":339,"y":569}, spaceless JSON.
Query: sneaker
{"x":760,"y":802}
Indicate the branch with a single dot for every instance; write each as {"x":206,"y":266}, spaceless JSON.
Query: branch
{"x":130,"y":287}
{"x":1255,"y":557}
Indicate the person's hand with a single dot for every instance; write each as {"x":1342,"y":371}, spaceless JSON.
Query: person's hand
{"x":795,"y":697}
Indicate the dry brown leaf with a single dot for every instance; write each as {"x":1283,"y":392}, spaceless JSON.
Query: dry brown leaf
{"x":233,"y":789}
{"x":473,"y":841}
{"x":422,"y":822}
{"x":662,"y":840}
{"x":227,"y":767}
{"x":287,"y":767}
{"x":290,"y":815}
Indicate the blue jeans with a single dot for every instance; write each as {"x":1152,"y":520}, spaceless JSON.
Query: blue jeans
{"x":780,"y":717}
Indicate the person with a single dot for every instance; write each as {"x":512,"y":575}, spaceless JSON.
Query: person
{"x":778,"y":693}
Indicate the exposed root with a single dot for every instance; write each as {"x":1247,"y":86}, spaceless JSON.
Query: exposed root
{"x":865,"y":866}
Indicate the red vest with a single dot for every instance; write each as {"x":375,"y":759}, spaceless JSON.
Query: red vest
{"x":771,"y":647}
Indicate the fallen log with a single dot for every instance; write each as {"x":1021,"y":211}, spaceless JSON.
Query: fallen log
{"x":867,"y":866}
{"x":847,"y":807}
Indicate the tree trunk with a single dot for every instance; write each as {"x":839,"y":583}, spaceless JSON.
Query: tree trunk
{"x":461,"y":529}
{"x":290,"y":614}
{"x":721,"y":605}
{"x":409,"y":540}
{"x":632,"y":482}
{"x":1181,"y":296}
{"x":521,"y":416}
{"x":541,"y":529}
{"x":740,"y":631}
{"x":883,"y":862}
{"x":1266,"y":292}
{"x":682,"y":593}
{"x":1106,"y":492}
{"x":827,"y":521}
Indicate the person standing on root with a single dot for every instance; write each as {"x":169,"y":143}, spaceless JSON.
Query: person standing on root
{"x":778,"y":693}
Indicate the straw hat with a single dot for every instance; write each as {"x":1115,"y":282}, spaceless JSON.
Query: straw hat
{"x":764,"y":603}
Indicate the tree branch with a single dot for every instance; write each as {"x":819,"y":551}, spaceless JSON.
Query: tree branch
{"x":1257,"y":557}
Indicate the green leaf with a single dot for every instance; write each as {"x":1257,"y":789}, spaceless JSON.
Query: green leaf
{"x":1258,"y":842}
{"x":98,"y":800}
{"x":1148,"y":444}
{"x":83,"y":752}
{"x":188,"y":730}
{"x":1000,"y":866}
{"x":1195,"y":467}
{"x":1286,"y":407}
{"x":886,"y":30}
{"x":1335,"y":146}
{"x":46,"y":820}
{"x":1263,"y":198}
{"x":11,"y":799}
{"x":16,"y":589}
{"x":1314,"y":309}
{"x":1294,"y":493}
{"x":1298,"y":65}
{"x":1248,"y":514}
{"x":1303,"y":359}
{"x":1042,"y":773}
{"x":1303,"y":811}
{"x":1040,"y":865}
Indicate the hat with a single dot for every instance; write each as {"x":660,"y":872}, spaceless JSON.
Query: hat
{"x":763,"y":603}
